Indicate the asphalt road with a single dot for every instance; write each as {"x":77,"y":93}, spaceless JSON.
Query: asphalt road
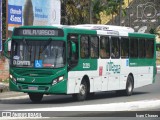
{"x":20,"y":101}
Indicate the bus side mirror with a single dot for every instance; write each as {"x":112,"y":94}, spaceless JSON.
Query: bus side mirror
{"x":6,"y":54}
{"x":72,"y":51}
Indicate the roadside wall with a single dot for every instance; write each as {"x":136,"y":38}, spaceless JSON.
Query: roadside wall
{"x":4,"y":69}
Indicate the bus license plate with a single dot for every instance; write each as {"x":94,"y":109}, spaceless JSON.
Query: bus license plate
{"x":33,"y":88}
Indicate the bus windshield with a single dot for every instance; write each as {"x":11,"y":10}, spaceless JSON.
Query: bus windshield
{"x":38,"y":54}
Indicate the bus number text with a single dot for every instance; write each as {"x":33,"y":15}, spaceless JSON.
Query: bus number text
{"x":86,"y":65}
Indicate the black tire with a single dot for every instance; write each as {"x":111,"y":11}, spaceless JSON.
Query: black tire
{"x":90,"y":95}
{"x":129,"y":86}
{"x":82,"y":92}
{"x":35,"y":97}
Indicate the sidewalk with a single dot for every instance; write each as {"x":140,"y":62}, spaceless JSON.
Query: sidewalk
{"x":4,"y":87}
{"x":6,"y":93}
{"x":158,"y":68}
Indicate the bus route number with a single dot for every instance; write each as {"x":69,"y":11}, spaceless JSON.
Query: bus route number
{"x":86,"y":65}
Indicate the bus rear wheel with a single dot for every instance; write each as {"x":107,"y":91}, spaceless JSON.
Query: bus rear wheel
{"x":129,"y":86}
{"x":82,"y":92}
{"x":35,"y":97}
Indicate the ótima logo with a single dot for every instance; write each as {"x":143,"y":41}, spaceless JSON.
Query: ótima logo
{"x":14,"y":15}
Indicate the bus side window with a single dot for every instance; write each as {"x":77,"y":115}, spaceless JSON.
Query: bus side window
{"x":94,"y":47}
{"x":104,"y":47}
{"x":115,"y":47}
{"x":133,"y":48}
{"x":124,"y":47}
{"x":75,"y":55}
{"x":141,"y":48}
{"x":149,"y":48}
{"x":84,"y":47}
{"x":73,"y":50}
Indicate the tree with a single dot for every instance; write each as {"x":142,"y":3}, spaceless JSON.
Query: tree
{"x":98,"y":6}
{"x":82,"y":11}
{"x":76,"y":11}
{"x":114,"y":7}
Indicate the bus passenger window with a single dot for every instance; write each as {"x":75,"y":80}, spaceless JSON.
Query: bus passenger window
{"x":124,"y":47}
{"x":133,"y":47}
{"x":115,"y":47}
{"x":84,"y":47}
{"x":104,"y":47}
{"x":94,"y":47}
{"x":141,"y":48}
{"x":149,"y":48}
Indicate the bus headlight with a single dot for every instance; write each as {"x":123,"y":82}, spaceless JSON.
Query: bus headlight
{"x":61,"y":78}
{"x":55,"y":81}
{"x":12,"y":78}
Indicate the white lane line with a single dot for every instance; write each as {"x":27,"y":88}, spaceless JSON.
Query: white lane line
{"x":122,"y":106}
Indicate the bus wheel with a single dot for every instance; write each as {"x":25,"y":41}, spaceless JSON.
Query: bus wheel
{"x":82,"y":92}
{"x":35,"y":97}
{"x":90,"y":95}
{"x":129,"y":86}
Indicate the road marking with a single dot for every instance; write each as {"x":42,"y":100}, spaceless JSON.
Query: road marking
{"x":121,"y":106}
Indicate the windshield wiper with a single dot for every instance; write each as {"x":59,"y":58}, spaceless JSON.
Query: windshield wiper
{"x":24,"y":41}
{"x":45,"y":46}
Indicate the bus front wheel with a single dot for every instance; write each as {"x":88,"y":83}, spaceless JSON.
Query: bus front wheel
{"x":35,"y":97}
{"x":82,"y":92}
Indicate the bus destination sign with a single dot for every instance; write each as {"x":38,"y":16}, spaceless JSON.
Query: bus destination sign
{"x":38,"y":32}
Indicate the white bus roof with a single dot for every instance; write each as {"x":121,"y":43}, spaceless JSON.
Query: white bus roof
{"x":110,"y":30}
{"x":106,"y":27}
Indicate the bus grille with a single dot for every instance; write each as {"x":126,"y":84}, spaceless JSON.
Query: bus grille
{"x":34,"y":73}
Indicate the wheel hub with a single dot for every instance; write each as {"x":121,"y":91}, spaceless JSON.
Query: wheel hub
{"x":82,"y":90}
{"x":130,"y":87}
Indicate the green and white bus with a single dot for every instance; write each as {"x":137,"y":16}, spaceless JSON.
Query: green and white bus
{"x":80,"y":60}
{"x":158,"y":56}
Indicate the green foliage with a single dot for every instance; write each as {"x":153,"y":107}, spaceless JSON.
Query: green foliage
{"x":76,"y":11}
{"x":5,"y":80}
{"x":114,"y":7}
{"x":81,"y":11}
{"x":98,"y":6}
{"x":152,"y":31}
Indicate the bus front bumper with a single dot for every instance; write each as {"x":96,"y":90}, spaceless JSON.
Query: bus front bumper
{"x":59,"y":88}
